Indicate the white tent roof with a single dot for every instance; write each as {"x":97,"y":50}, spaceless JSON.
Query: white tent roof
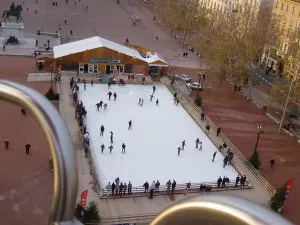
{"x":98,"y":42}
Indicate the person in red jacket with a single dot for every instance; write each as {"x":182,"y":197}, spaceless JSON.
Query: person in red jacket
{"x":6,"y":143}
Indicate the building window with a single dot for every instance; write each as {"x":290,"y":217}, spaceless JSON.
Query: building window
{"x":277,"y":4}
{"x":281,"y":6}
{"x":293,"y":10}
{"x":285,"y":48}
{"x":287,"y":8}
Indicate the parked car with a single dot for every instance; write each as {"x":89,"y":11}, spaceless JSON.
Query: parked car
{"x":195,"y":85}
{"x":186,"y":78}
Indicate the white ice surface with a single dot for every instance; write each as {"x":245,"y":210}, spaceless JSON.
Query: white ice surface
{"x":151,"y":145}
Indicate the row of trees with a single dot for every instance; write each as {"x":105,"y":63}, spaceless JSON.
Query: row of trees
{"x":232,"y":41}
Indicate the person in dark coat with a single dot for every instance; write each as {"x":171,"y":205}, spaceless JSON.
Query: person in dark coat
{"x":151,"y":97}
{"x":102,"y":148}
{"x":129,"y":188}
{"x":168,"y":185}
{"x":113,"y":187}
{"x":157,"y":184}
{"x":243,"y":180}
{"x":223,"y":181}
{"x":121,"y":188}
{"x":173,"y":185}
{"x":101,"y":103}
{"x":219,"y":182}
{"x":98,"y":106}
{"x":129,"y":124}
{"x":153,"y":88}
{"x":110,"y":148}
{"x":183,"y":144}
{"x":197,"y":142}
{"x":101,"y":130}
{"x":218,"y":131}
{"x":109,"y":95}
{"x":179,"y":149}
{"x":115,"y":96}
{"x":237,"y":180}
{"x":146,"y":186}
{"x":225,"y":161}
{"x":151,"y":193}
{"x":157,"y":102}
{"x":27,"y":148}
{"x":214,"y":156}
{"x":111,"y":137}
{"x":123,"y":148}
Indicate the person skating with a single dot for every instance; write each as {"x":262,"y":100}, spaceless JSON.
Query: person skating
{"x":84,"y":86}
{"x":142,"y":102}
{"x":153,"y":88}
{"x":146,"y":187}
{"x":6,"y":143}
{"x":109,"y":95}
{"x":197,"y":142}
{"x":151,"y":97}
{"x":225,"y":161}
{"x":237,"y":180}
{"x":129,"y":188}
{"x":98,"y":106}
{"x":113,"y":187}
{"x":102,"y":148}
{"x":140,"y":99}
{"x":108,"y":188}
{"x":214,"y":156}
{"x":101,"y":103}
{"x":130,"y":125}
{"x":175,"y":94}
{"x":101,"y":130}
{"x":27,"y":148}
{"x":110,"y":148}
{"x":111,"y":137}
{"x":105,"y":106}
{"x":115,"y":96}
{"x":123,"y":148}
{"x":200,"y":145}
{"x":179,"y":149}
{"x":157,"y":102}
{"x":157,"y":184}
{"x":173,"y":185}
{"x":219,"y":182}
{"x":183,"y":144}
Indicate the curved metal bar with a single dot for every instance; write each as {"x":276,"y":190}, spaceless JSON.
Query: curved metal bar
{"x":222,"y":209}
{"x":61,"y":149}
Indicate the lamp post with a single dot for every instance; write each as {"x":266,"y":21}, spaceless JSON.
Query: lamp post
{"x":260,"y":131}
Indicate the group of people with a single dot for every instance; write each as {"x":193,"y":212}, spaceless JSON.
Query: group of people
{"x":181,"y":148}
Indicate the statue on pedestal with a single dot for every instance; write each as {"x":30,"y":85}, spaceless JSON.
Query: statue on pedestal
{"x":13,"y":11}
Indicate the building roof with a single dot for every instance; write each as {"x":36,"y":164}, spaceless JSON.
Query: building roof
{"x":99,"y":42}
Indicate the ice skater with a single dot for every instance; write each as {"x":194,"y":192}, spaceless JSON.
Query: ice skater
{"x":101,"y":103}
{"x":27,"y":148}
{"x":151,"y":97}
{"x":115,"y":96}
{"x":101,"y":130}
{"x":111,"y":137}
{"x":98,"y":106}
{"x":105,"y":106}
{"x":92,"y":83}
{"x":197,"y":142}
{"x":110,"y":148}
{"x":183,"y":144}
{"x":154,"y":88}
{"x":179,"y":149}
{"x":109,"y":95}
{"x":102,"y":148}
{"x":142,"y":102}
{"x":130,"y":125}
{"x":140,"y":99}
{"x":177,"y":101}
{"x":123,"y":148}
{"x":200,"y":145}
{"x":84,"y":86}
{"x":157,"y":102}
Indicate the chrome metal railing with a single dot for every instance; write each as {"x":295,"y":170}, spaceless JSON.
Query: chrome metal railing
{"x":226,"y":210}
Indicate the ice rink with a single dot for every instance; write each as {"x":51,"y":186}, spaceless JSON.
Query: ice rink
{"x":151,"y":145}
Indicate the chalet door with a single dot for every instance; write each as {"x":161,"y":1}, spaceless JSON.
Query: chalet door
{"x":81,"y":68}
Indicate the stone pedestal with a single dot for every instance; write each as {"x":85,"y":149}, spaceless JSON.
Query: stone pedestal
{"x":13,"y":29}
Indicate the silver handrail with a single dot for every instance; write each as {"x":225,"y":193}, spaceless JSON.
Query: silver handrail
{"x":61,"y":149}
{"x":222,"y":209}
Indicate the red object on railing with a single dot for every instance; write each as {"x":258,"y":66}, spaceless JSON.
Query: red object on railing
{"x":83,"y":198}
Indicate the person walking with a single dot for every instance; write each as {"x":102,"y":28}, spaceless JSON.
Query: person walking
{"x":146,"y":187}
{"x":168,"y":185}
{"x":125,"y":188}
{"x":179,"y":149}
{"x":157,"y":184}
{"x":129,"y":188}
{"x":218,"y":131}
{"x":110,"y":148}
{"x":113,"y":187}
{"x":214,"y":156}
{"x":23,"y":111}
{"x":109,"y":95}
{"x":27,"y":148}
{"x":202,"y":115}
{"x":130,"y":125}
{"x":272,"y":163}
{"x":173,"y":186}
{"x":225,"y":161}
{"x":123,"y":148}
{"x":219,"y":182}
{"x":237,"y":180}
{"x":6,"y":143}
{"x":101,"y":130}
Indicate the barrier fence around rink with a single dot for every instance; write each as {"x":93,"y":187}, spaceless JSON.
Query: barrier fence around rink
{"x":213,"y":130}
